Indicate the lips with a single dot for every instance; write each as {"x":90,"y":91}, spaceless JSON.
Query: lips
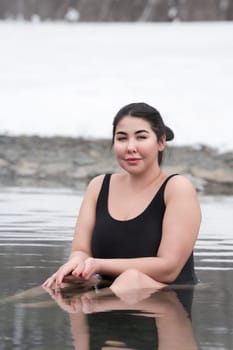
{"x":133,"y":160}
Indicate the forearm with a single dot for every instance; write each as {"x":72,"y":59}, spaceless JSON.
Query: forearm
{"x":155,"y":267}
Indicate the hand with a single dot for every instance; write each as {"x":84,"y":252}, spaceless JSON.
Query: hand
{"x":75,"y":295}
{"x":75,"y":266}
{"x":70,"y":305}
{"x":91,"y":266}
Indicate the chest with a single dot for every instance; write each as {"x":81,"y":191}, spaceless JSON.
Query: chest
{"x":130,"y":238}
{"x":127,"y":204}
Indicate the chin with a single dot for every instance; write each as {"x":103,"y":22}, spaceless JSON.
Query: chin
{"x":132,"y":170}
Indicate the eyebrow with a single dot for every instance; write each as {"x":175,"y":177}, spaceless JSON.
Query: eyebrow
{"x":143,"y":130}
{"x":136,"y":132}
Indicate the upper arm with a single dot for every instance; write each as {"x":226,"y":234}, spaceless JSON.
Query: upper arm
{"x":181,"y":223}
{"x":86,"y":217}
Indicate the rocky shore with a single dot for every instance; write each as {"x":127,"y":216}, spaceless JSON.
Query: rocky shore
{"x":34,"y":161}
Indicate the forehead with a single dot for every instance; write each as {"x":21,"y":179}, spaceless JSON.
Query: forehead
{"x":129,"y":123}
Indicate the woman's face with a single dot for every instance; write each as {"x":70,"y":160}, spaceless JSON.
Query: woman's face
{"x":136,"y":145}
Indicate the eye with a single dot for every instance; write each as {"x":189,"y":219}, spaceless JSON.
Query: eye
{"x":141,"y":137}
{"x":121,"y":138}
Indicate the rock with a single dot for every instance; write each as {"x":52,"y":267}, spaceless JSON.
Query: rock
{"x":71,"y":162}
{"x":217,"y":175}
{"x":25,"y":168}
{"x":5,"y":169}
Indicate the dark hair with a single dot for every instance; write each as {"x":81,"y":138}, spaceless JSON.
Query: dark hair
{"x":148,"y":113}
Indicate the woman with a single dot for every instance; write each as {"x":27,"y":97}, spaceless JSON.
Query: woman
{"x":139,"y":225}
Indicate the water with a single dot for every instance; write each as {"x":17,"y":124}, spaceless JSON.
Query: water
{"x":36,"y":230}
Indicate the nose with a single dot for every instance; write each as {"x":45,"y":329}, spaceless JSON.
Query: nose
{"x":131,"y":145}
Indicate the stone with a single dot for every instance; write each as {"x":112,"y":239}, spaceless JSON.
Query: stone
{"x":72,"y":162}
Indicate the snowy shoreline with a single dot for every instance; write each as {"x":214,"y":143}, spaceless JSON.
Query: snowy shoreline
{"x":61,"y":79}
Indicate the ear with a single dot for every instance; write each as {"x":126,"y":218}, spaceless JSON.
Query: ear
{"x":162,"y":143}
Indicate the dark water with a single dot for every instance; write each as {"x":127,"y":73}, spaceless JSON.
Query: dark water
{"x":36,"y":230}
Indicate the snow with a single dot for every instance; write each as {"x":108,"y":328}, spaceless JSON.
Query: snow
{"x":71,"y":79}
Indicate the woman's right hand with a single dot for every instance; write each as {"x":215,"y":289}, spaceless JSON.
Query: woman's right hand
{"x":75,"y":266}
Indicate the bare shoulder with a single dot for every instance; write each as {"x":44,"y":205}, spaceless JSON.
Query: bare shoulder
{"x":94,"y":186}
{"x":180,"y":185}
{"x":96,"y":181}
{"x":182,"y":201}
{"x":118,"y":177}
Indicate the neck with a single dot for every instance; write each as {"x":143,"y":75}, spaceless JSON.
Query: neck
{"x":145,"y":179}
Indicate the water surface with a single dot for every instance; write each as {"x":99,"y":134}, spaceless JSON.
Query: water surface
{"x":36,"y":231}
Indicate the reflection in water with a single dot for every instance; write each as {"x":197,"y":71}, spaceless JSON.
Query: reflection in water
{"x":100,"y":319}
{"x":157,"y":322}
{"x":35,"y":234}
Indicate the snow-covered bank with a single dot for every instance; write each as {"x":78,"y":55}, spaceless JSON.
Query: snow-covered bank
{"x":59,"y":79}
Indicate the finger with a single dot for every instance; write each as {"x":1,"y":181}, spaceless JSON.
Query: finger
{"x":66,"y":304}
{"x":78,"y":270}
{"x":76,"y":305}
{"x":89,"y":268}
{"x":51,"y":292}
{"x":87,"y":306}
{"x":63,"y":271}
{"x":46,"y":283}
{"x":50,"y":281}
